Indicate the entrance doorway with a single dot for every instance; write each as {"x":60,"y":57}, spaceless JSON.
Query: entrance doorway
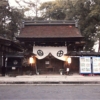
{"x":50,"y":65}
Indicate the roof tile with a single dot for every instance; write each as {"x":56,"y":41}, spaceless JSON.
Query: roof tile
{"x":49,"y":31}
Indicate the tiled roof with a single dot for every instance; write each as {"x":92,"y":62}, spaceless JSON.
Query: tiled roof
{"x":11,"y":44}
{"x":3,"y":38}
{"x":49,"y":31}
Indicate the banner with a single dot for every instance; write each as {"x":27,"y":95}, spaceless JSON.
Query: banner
{"x":43,"y":51}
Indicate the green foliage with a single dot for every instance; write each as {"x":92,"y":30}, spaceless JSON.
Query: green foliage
{"x":88,"y":14}
{"x":86,"y":11}
{"x":55,"y":10}
{"x":16,"y":19}
{"x":4,"y":15}
{"x":10,"y":20}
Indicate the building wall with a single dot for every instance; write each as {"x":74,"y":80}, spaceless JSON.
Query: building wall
{"x":45,"y":64}
{"x":75,"y":64}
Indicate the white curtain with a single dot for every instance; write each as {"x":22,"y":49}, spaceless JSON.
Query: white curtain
{"x":43,"y":51}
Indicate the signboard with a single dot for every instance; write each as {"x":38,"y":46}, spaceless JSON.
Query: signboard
{"x":47,"y":62}
{"x":85,"y":65}
{"x":96,"y":65}
{"x":13,"y":68}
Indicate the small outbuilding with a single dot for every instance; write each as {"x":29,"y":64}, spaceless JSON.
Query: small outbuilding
{"x":7,"y":46}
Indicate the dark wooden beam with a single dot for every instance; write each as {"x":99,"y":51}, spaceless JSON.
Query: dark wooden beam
{"x":50,"y":39}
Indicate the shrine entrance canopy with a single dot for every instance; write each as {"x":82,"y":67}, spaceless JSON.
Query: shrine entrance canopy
{"x":58,"y":52}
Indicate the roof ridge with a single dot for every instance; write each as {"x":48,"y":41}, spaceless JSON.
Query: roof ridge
{"x":49,"y":22}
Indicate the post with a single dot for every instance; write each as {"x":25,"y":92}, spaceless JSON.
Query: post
{"x":67,"y":71}
{"x":3,"y":65}
{"x":6,"y":65}
{"x":69,"y":62}
{"x":36,"y":69}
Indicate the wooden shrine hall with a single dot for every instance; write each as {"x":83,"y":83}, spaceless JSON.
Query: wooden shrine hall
{"x":50,"y":41}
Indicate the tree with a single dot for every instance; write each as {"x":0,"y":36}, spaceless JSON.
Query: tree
{"x":10,"y":19}
{"x":55,"y":10}
{"x":15,"y":25}
{"x":87,"y":11}
{"x":3,"y":17}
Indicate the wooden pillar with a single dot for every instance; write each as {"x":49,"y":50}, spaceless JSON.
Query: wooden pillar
{"x":3,"y":64}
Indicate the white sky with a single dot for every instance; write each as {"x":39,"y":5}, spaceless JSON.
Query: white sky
{"x":13,"y":3}
{"x":27,"y":13}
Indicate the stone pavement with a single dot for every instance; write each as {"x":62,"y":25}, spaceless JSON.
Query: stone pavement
{"x":50,"y":79}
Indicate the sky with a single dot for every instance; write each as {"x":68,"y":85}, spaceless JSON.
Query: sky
{"x":14,"y":4}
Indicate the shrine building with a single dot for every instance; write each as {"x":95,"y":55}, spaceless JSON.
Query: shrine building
{"x":52,"y":44}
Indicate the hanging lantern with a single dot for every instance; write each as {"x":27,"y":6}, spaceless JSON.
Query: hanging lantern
{"x":31,"y":60}
{"x":69,"y":60}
